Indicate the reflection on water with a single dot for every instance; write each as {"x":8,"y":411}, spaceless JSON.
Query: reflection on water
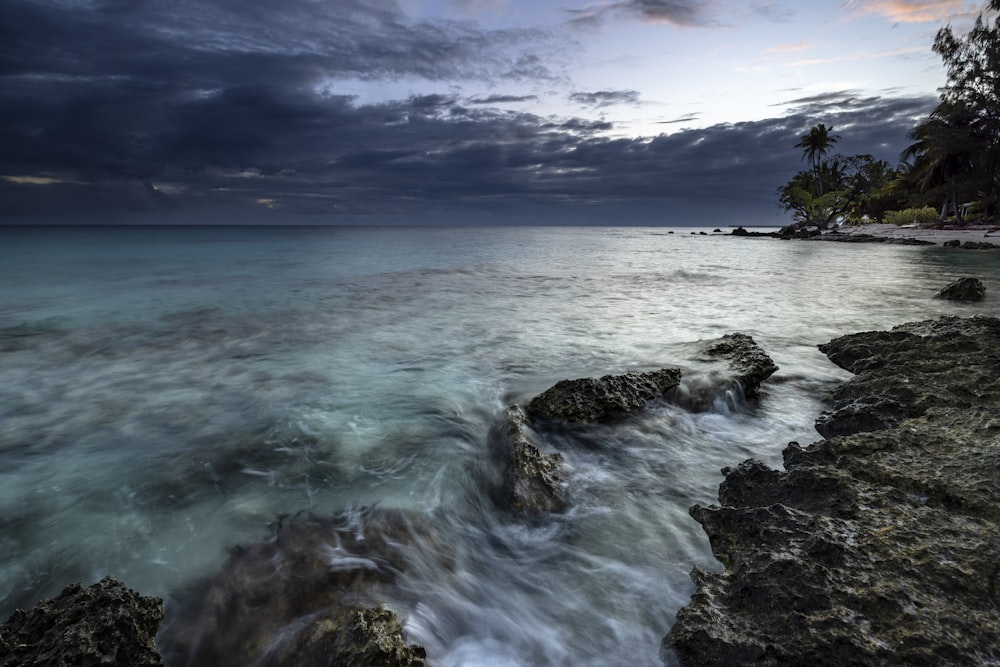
{"x":169,"y":393}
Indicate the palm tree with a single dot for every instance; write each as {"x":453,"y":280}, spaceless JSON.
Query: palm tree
{"x":815,"y":145}
{"x":942,"y":150}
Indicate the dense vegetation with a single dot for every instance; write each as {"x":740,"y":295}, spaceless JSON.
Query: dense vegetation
{"x":951,"y":169}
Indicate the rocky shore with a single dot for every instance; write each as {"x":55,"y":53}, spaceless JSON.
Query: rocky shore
{"x":103,"y":624}
{"x":969,"y":237}
{"x":879,"y":544}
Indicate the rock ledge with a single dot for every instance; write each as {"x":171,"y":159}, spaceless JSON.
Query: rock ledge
{"x":879,"y":545}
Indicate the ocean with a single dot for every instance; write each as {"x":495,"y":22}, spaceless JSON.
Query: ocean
{"x":167,"y":393}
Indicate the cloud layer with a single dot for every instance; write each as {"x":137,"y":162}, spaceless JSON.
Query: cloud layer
{"x":218,"y":106}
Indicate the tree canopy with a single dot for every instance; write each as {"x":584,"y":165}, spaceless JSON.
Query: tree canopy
{"x":952,"y":162}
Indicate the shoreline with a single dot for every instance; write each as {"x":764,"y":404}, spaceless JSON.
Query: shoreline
{"x":969,"y":237}
{"x":875,"y":544}
{"x":939,"y":235}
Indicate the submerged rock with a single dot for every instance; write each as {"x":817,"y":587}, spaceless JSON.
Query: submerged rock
{"x":530,"y":481}
{"x":103,"y":624}
{"x":590,"y":400}
{"x":316,"y":585}
{"x":352,"y":638}
{"x":873,"y":546}
{"x":749,"y":363}
{"x":979,"y":245}
{"x":963,"y":289}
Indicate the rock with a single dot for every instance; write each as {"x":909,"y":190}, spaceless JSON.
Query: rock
{"x":954,"y":243}
{"x":740,"y":231}
{"x":352,"y":638}
{"x":869,"y":238}
{"x":311,"y":586}
{"x":871,"y":547}
{"x":748,"y":362}
{"x":979,"y":245}
{"x":950,"y":362}
{"x":964,"y":289}
{"x":716,"y":231}
{"x":530,"y":481}
{"x":103,"y":624}
{"x":591,"y":400}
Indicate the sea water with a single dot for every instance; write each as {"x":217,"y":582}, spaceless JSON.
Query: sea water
{"x":167,"y":393}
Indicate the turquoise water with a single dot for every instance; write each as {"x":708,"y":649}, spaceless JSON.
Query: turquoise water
{"x":166,"y":393}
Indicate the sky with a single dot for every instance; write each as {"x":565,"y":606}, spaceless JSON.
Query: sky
{"x":617,"y":112}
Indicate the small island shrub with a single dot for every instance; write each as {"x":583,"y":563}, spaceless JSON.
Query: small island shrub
{"x":910,"y":216}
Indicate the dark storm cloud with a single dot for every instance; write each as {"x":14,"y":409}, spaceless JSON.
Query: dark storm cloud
{"x":605,"y":98}
{"x":412,"y":158}
{"x":685,"y":13}
{"x":172,"y":108}
{"x":680,"y":12}
{"x":503,"y":99}
{"x":683,"y":119}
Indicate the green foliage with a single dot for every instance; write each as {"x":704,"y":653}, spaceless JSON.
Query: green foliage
{"x":956,"y":151}
{"x":911,"y":216}
{"x":952,"y":164}
{"x":815,"y":145}
{"x":853,"y":189}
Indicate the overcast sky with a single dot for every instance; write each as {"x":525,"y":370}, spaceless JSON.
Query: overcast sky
{"x":423,"y":111}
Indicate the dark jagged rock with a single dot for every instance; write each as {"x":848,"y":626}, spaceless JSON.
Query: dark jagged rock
{"x":591,"y":400}
{"x":949,"y":362}
{"x":103,"y":624}
{"x":530,"y":481}
{"x":967,"y":290}
{"x":740,"y":231}
{"x":836,"y":237}
{"x":979,"y":245}
{"x":954,"y":243}
{"x":748,"y":362}
{"x":316,"y":584}
{"x":872,"y":547}
{"x":799,"y":231}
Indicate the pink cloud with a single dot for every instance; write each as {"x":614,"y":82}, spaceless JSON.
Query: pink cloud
{"x":916,"y":11}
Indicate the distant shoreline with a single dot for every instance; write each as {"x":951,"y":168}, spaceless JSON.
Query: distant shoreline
{"x":935,"y":235}
{"x":897,"y":233}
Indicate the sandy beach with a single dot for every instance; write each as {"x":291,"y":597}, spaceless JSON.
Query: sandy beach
{"x":989,"y":233}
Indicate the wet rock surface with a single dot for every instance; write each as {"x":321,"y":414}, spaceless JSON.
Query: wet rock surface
{"x":590,"y":400}
{"x":880,"y":544}
{"x":352,"y":638}
{"x":316,"y":587}
{"x":103,"y":624}
{"x":964,"y":289}
{"x":979,"y":245}
{"x":528,"y":481}
{"x":741,"y":231}
{"x":836,"y":237}
{"x":749,"y":363}
{"x":902,"y":373}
